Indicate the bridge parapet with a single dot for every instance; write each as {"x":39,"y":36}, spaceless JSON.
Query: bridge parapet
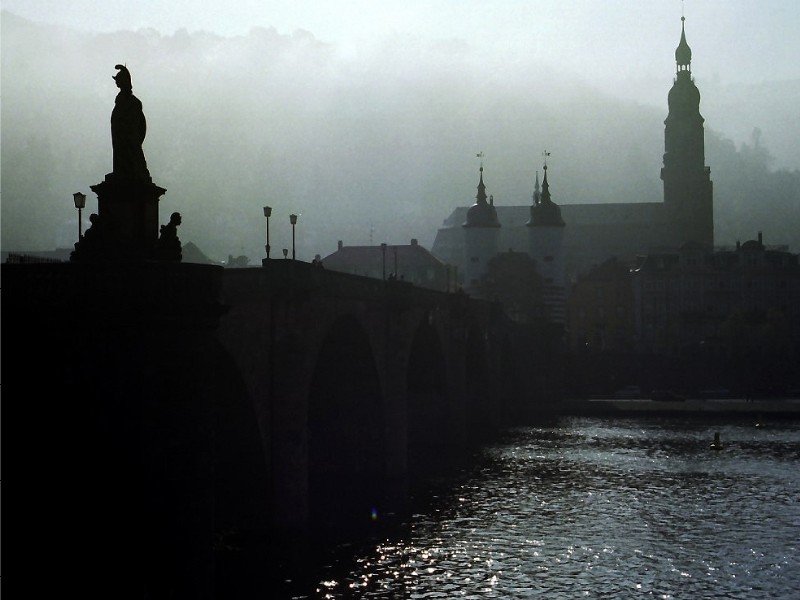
{"x":121,"y":294}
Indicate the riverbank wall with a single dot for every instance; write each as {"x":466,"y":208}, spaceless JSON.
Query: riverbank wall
{"x":772,"y":408}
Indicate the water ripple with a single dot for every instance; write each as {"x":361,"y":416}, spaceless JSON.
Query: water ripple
{"x":598,"y":508}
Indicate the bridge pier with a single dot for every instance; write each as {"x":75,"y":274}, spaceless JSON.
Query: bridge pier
{"x":396,"y":433}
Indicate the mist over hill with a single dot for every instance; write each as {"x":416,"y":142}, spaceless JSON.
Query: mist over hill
{"x":369,"y":143}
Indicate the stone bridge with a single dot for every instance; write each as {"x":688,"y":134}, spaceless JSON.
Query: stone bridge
{"x":359,"y":384}
{"x":157,"y":408}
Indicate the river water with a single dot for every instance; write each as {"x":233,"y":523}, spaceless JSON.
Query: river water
{"x":597,"y":508}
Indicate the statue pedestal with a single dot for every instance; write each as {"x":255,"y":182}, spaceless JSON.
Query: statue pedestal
{"x":128,"y":219}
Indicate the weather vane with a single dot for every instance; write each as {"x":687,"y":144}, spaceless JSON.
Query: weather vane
{"x":545,"y":154}
{"x":480,"y":155}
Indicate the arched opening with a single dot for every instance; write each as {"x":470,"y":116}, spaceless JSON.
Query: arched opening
{"x":429,"y":423}
{"x":346,"y":467}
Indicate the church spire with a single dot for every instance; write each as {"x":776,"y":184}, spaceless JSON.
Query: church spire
{"x":482,"y":213}
{"x":683,"y":53}
{"x":544,"y":211}
{"x":536,"y":190}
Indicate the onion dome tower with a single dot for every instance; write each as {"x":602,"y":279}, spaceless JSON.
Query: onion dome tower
{"x":688,"y":191}
{"x":546,"y":247}
{"x":481,"y":233}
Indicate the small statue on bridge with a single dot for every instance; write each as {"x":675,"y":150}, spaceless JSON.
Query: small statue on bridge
{"x":169,"y":246}
{"x":128,"y":130}
{"x":90,"y":246}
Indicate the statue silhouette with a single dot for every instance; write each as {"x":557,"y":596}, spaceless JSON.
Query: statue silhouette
{"x":128,"y":130}
{"x":169,"y":246}
{"x":91,"y":245}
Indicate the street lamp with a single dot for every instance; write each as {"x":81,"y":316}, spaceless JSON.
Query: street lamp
{"x":383,"y":252}
{"x":267,"y":214}
{"x":285,"y":253}
{"x":293,"y":221}
{"x":80,"y":202}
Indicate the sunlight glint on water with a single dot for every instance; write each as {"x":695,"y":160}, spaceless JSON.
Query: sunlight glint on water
{"x":595,"y":507}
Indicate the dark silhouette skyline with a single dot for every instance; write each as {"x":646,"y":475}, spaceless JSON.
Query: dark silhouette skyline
{"x":191,"y":430}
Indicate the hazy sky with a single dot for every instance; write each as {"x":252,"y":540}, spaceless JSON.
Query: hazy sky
{"x":733,"y":40}
{"x":389,"y":89}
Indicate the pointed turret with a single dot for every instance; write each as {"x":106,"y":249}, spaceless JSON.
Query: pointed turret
{"x":684,"y":97}
{"x":482,"y":214}
{"x":683,"y":53}
{"x":481,"y":195}
{"x":545,"y":212}
{"x":536,"y":190}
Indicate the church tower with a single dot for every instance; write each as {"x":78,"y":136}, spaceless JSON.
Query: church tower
{"x":481,"y":232}
{"x":688,"y":191}
{"x":546,"y":247}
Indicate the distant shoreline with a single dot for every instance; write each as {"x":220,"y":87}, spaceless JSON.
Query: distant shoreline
{"x":768,"y":408}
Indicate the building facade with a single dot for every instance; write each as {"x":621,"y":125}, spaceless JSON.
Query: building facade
{"x":596,"y":232}
{"x":694,"y":295}
{"x":600,"y":310}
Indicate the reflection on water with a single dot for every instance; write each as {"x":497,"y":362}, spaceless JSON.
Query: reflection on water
{"x":596,"y":507}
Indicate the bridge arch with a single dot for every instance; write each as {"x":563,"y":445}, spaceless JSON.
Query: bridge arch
{"x":346,"y":453}
{"x":429,"y":422}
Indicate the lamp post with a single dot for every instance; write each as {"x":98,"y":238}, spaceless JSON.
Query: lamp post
{"x":80,"y":202}
{"x":267,"y":214}
{"x":383,"y":253}
{"x":285,"y":253}
{"x":293,"y":221}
